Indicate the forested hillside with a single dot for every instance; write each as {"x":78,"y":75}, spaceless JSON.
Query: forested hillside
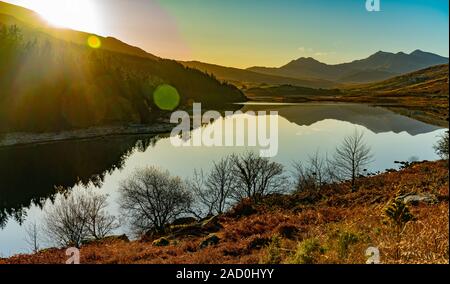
{"x":49,"y":84}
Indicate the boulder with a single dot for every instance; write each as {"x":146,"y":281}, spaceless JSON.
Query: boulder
{"x":211,"y":225}
{"x":184,"y":221}
{"x":150,"y":236}
{"x":211,"y":240}
{"x":109,"y":239}
{"x":416,"y":199}
{"x":161,"y":242}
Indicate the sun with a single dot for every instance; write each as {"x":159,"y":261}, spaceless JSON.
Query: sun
{"x":74,"y":14}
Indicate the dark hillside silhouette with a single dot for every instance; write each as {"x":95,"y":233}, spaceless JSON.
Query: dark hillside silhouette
{"x":51,"y":85}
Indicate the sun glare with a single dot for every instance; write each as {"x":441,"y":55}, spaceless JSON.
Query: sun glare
{"x":74,"y":14}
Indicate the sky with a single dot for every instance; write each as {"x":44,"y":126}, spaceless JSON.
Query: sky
{"x":245,"y":33}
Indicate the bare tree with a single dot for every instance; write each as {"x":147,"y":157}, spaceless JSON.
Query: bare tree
{"x":214,"y":193}
{"x":313,"y":174}
{"x":442,"y":145}
{"x":256,"y":177}
{"x":203,"y":203}
{"x":100,"y":223}
{"x":151,"y":199}
{"x":352,"y":156}
{"x":32,"y":237}
{"x":79,"y":217}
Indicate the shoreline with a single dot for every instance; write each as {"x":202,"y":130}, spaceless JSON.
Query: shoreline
{"x":26,"y":138}
{"x":16,"y":139}
{"x":427,"y":113}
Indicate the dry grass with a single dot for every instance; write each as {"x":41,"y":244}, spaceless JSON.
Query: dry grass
{"x":342,"y":224}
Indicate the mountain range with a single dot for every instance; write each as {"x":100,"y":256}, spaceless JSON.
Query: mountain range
{"x":377,"y":67}
{"x":308,"y":72}
{"x":247,"y":78}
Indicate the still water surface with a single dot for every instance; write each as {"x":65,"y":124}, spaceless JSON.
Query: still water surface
{"x":29,"y":175}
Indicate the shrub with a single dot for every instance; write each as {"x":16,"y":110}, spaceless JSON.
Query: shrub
{"x":397,"y":215}
{"x":345,"y":240}
{"x":287,"y":231}
{"x":308,"y":252}
{"x":243,"y":209}
{"x":273,"y":252}
{"x":258,"y":242}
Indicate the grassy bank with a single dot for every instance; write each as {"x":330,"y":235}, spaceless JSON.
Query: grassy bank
{"x":333,"y":225}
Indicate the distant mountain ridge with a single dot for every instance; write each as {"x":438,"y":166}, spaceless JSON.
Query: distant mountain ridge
{"x":242,"y":77}
{"x":379,"y":66}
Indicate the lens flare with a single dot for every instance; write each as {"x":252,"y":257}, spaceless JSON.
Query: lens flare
{"x":166,"y":97}
{"x":94,"y":42}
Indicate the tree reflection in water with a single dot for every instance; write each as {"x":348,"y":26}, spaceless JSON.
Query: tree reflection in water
{"x":29,"y":175}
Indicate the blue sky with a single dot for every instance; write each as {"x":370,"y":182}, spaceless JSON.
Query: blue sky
{"x":332,"y":31}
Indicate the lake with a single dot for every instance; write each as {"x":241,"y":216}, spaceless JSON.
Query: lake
{"x":30,"y":175}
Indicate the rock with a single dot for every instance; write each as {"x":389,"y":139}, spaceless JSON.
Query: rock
{"x":109,"y":239}
{"x":150,"y":236}
{"x":184,"y":221}
{"x":212,"y":225}
{"x":162,"y":242}
{"x":197,"y":229}
{"x":416,"y":199}
{"x":206,"y":218}
{"x":211,"y":240}
{"x":187,"y":230}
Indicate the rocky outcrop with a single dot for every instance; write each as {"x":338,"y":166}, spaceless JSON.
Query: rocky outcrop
{"x":416,"y":199}
{"x":186,"y":227}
